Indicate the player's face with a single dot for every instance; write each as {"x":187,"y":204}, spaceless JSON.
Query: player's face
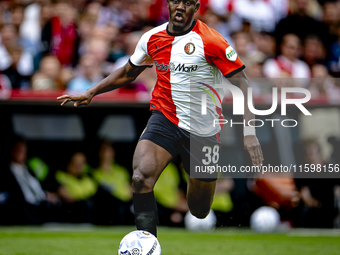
{"x":182,"y":13}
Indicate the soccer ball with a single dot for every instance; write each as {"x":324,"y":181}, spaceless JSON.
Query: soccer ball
{"x":194,"y":224}
{"x":264,"y":219}
{"x":139,"y":242}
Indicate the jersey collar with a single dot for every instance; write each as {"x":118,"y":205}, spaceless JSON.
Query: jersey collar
{"x":184,"y":32}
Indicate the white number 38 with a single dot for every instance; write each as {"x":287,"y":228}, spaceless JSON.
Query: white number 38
{"x":211,"y":158}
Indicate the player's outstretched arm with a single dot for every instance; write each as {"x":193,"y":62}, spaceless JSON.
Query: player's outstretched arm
{"x":251,"y":143}
{"x":115,"y":80}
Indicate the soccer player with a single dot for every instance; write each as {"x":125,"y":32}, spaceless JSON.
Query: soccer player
{"x":183,"y":50}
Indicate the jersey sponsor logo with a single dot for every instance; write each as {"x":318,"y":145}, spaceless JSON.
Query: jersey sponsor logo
{"x":161,"y":67}
{"x":231,"y":54}
{"x":176,"y":68}
{"x":182,"y":68}
{"x":189,"y":48}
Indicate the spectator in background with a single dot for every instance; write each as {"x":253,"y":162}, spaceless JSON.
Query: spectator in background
{"x":331,"y":16}
{"x":13,"y":59}
{"x":114,"y":197}
{"x":145,"y":81}
{"x":59,"y":35}
{"x":323,"y":85}
{"x":216,"y":22}
{"x":86,"y":27}
{"x":243,"y":45}
{"x":255,"y":65}
{"x":260,"y":14}
{"x":88,"y":76}
{"x":221,"y":8}
{"x":27,"y":202}
{"x":254,"y":71}
{"x":99,"y":48}
{"x":302,"y":22}
{"x":316,"y":194}
{"x":17,"y":15}
{"x":314,"y":51}
{"x":48,"y":75}
{"x":287,"y":64}
{"x":18,"y":80}
{"x":93,"y":9}
{"x":137,"y":19}
{"x":115,"y":11}
{"x":265,"y":43}
{"x":310,"y":8}
{"x":36,"y":15}
{"x":76,"y":190}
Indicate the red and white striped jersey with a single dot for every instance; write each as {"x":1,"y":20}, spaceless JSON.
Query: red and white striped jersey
{"x":188,"y":64}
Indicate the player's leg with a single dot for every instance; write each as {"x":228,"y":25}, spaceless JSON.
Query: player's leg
{"x":148,"y":163}
{"x":200,"y":152}
{"x":200,"y":196}
{"x":149,"y":160}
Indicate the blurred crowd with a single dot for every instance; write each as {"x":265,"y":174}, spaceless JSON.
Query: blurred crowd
{"x":59,"y":44}
{"x":71,"y":45}
{"x":34,"y":192}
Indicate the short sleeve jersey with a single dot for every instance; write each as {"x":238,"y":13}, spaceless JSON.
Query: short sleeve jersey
{"x":188,"y":66}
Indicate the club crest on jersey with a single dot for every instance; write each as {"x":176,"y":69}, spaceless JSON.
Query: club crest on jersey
{"x":231,"y":53}
{"x":189,"y":48}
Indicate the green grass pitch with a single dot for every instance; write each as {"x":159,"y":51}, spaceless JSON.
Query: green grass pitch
{"x":79,"y":240}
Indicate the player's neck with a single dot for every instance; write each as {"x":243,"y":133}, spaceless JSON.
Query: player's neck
{"x":174,"y":32}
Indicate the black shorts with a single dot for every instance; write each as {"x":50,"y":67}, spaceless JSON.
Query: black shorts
{"x":199,"y":154}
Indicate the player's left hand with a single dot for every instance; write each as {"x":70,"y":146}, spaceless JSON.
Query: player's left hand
{"x":252,"y":145}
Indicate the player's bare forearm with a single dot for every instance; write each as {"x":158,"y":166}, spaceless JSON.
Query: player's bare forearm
{"x":115,"y":80}
{"x":251,"y":143}
{"x":242,"y":81}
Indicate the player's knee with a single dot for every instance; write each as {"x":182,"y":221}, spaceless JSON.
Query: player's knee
{"x":140,"y":182}
{"x":200,"y":214}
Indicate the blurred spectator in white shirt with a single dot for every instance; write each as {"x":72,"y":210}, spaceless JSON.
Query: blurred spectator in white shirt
{"x":261,"y":14}
{"x":287,"y":64}
{"x":24,"y":63}
{"x":35,"y":17}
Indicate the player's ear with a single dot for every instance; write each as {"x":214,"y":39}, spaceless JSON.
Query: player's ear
{"x":197,"y":6}
{"x":167,"y":3}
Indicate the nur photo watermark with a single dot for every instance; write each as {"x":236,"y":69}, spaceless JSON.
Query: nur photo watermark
{"x":285,"y":115}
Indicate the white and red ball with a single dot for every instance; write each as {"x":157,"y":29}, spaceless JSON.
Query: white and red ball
{"x":139,"y":242}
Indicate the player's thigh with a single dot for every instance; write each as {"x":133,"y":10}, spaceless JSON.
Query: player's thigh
{"x":200,"y":195}
{"x":200,"y":156}
{"x":149,"y":160}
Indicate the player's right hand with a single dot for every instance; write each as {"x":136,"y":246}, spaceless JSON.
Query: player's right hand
{"x":79,"y":99}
